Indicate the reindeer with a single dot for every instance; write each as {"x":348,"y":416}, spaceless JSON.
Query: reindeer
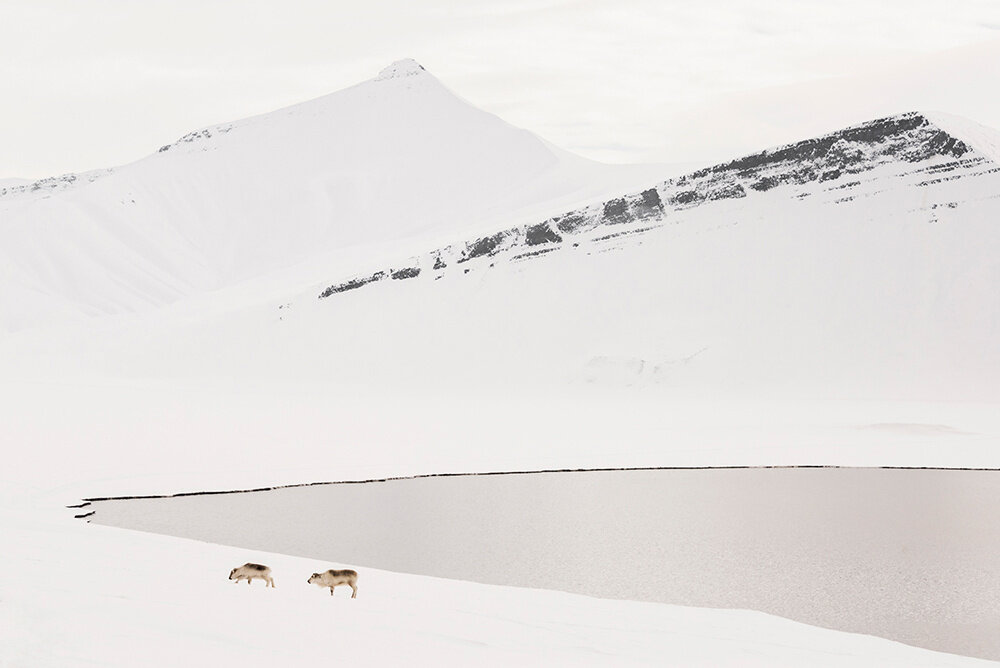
{"x":333,"y":578}
{"x":250,"y":571}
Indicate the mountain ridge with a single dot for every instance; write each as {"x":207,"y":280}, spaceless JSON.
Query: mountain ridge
{"x":910,"y":137}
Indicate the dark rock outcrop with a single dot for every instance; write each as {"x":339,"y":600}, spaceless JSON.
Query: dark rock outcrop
{"x":352,"y":284}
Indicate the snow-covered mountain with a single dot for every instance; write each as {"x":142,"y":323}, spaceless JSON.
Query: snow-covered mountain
{"x":860,"y":264}
{"x":385,"y":160}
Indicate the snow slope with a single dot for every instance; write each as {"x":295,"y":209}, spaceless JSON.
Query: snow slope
{"x":382,"y":161}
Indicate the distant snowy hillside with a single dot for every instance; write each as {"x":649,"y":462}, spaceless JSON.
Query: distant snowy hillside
{"x":860,"y":264}
{"x":391,"y":235}
{"x":373,"y":164}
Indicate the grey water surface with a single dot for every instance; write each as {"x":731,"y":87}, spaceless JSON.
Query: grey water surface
{"x":910,"y":555}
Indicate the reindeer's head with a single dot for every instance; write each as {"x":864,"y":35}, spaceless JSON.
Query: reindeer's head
{"x":314,"y":576}
{"x":232,"y":573}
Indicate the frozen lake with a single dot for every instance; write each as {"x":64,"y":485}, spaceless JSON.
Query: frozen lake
{"x":911,"y":555}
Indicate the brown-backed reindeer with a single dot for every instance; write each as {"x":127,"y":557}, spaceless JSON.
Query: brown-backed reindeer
{"x":332,"y":578}
{"x":250,"y":571}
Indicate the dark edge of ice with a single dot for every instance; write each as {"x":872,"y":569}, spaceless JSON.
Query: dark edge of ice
{"x":496,"y":473}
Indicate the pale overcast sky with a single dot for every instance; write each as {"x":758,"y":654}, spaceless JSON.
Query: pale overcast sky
{"x":95,"y":83}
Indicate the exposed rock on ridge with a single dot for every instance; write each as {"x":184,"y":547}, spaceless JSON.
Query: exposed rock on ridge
{"x":907,"y":139}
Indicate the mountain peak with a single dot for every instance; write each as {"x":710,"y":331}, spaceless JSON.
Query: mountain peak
{"x":983,"y":139}
{"x":406,"y":67}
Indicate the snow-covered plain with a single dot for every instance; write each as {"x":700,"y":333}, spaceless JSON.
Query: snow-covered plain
{"x":177,"y":343}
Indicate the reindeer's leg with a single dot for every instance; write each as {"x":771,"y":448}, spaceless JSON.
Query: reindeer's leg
{"x":354,"y":590}
{"x":331,"y":590}
{"x":270,"y":581}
